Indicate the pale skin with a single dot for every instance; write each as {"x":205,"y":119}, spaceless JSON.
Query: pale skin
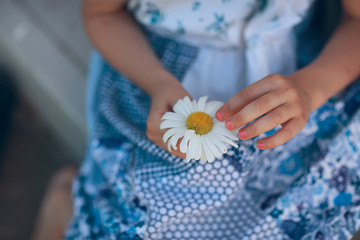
{"x":283,"y":100}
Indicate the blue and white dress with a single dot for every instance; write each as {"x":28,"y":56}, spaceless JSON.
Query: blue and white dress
{"x":239,"y":42}
{"x":128,"y":188}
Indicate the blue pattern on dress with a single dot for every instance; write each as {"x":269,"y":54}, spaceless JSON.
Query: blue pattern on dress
{"x":317,"y":178}
{"x":196,"y":6}
{"x":220,"y":25}
{"x":154,"y":12}
{"x":310,"y":186}
{"x":327,"y":191}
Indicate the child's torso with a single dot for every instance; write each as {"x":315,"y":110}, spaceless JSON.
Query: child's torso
{"x":239,"y":41}
{"x":215,"y":19}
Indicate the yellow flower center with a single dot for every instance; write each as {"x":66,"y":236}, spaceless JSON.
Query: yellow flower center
{"x":200,"y":122}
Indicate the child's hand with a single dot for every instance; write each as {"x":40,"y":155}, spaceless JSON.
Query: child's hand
{"x":276,"y":96}
{"x":164,"y":96}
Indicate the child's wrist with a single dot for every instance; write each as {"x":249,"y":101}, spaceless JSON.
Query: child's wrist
{"x":306,"y":82}
{"x":159,"y":80}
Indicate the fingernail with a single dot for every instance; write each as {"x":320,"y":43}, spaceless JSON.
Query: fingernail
{"x":261,"y":145}
{"x":229,"y":124}
{"x":242,"y":134}
{"x":219,"y":116}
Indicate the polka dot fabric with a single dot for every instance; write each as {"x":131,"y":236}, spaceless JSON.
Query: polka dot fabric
{"x":205,"y":202}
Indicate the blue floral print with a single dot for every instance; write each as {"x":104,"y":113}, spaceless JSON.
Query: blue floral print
{"x":220,"y":25}
{"x":128,"y":188}
{"x":340,"y":179}
{"x":196,"y":6}
{"x":154,"y":12}
{"x":291,"y":165}
{"x":343,"y":199}
{"x":180,"y":29}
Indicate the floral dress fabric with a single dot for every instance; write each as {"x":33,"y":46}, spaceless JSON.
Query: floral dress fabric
{"x":128,"y":188}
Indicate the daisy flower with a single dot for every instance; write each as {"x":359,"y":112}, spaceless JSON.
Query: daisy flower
{"x":203,"y":136}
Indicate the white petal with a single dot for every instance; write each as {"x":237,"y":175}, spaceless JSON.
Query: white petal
{"x":189,"y":105}
{"x":225,"y":132}
{"x":195,"y":147}
{"x":194,"y":104}
{"x":185,"y":141}
{"x":171,"y":132}
{"x":218,"y":143}
{"x":169,"y":146}
{"x":172,"y":124}
{"x":201,"y":104}
{"x":174,"y":139}
{"x":226,"y":140}
{"x":203,"y":157}
{"x":180,"y":108}
{"x":219,"y":123}
{"x":212,"y":107}
{"x":213,"y":148}
{"x":173,"y":116}
{"x":188,"y":155}
{"x":212,"y":159}
{"x":207,"y":151}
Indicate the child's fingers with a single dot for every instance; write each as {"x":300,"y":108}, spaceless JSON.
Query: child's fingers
{"x":256,"y":109}
{"x":243,"y":98}
{"x":177,"y":152}
{"x":166,"y":146}
{"x":272,"y":119}
{"x":289,"y":130}
{"x":157,"y":138}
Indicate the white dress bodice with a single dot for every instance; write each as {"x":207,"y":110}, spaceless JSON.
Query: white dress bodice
{"x":239,"y":41}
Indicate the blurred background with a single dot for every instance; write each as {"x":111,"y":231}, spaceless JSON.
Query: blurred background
{"x":43,"y":62}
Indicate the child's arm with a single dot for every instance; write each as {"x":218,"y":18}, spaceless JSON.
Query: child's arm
{"x":120,"y":40}
{"x":288,"y":100}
